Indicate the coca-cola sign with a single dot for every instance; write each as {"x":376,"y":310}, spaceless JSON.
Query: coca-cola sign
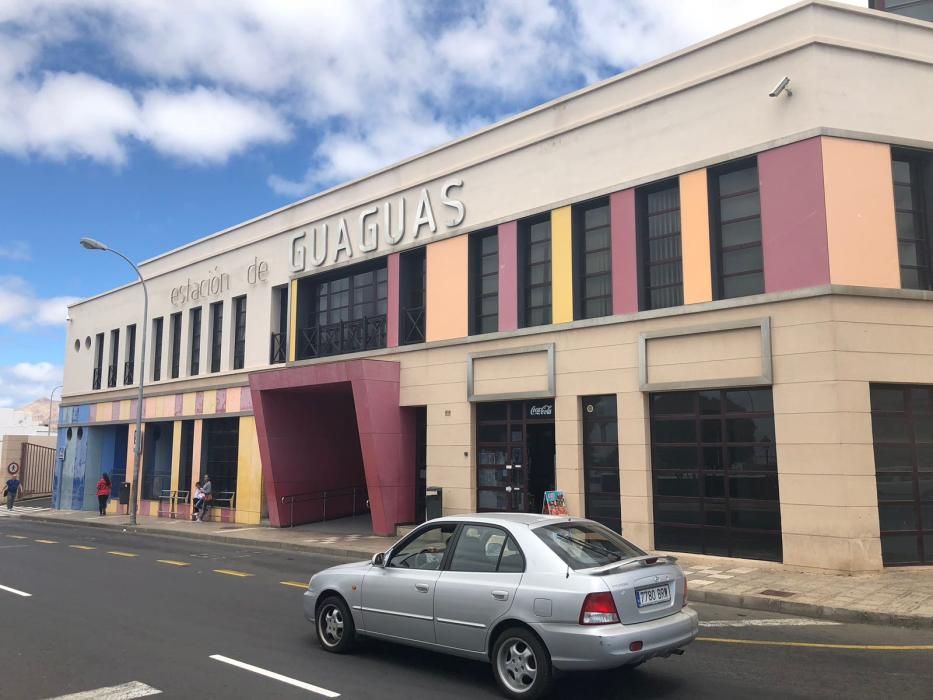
{"x":540,"y":410}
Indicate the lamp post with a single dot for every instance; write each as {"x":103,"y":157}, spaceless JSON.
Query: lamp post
{"x":91,"y":244}
{"x":51,"y":394}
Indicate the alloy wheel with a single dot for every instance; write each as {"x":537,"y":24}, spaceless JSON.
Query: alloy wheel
{"x":517,"y":665}
{"x":330,"y":625}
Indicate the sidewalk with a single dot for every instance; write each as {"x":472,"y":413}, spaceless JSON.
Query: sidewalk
{"x":898,"y":596}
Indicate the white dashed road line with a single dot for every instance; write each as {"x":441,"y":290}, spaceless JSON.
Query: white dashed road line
{"x":277,"y":676}
{"x":14,"y":591}
{"x":778,"y":622}
{"x":127,"y":691}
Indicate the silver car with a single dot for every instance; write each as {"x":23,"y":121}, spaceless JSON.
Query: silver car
{"x":529,"y":593}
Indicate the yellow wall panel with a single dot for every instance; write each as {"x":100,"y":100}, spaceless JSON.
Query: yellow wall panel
{"x":447,"y":289}
{"x":292,"y":318}
{"x":210,"y":402}
{"x":695,"y":242}
{"x":187,"y":404}
{"x":561,"y":265}
{"x":249,"y":474}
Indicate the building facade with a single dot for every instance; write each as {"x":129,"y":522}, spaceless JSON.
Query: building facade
{"x":700,"y":310}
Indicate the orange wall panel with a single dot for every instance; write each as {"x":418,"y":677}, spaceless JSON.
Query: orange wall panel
{"x":695,"y":241}
{"x":860,"y":214}
{"x":448,"y":289}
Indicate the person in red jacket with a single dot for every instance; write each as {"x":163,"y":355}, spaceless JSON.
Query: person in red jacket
{"x":103,"y":493}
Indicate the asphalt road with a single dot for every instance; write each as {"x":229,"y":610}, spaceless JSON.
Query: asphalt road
{"x":99,"y":618}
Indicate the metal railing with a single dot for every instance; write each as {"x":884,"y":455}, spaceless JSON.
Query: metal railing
{"x":278,"y":352}
{"x":37,"y":464}
{"x":95,"y":378}
{"x":128,"y":371}
{"x":314,"y":496}
{"x":413,"y":325}
{"x":367,"y":333}
{"x":112,"y":376}
{"x":169,"y":500}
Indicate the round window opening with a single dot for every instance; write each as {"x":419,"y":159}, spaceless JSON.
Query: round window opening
{"x":68,"y":434}
{"x":77,"y":345}
{"x":80,"y":433}
{"x":87,"y":342}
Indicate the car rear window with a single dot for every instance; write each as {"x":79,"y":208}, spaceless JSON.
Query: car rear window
{"x":586,"y":545}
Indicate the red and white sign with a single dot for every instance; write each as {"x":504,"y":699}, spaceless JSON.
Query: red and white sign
{"x":13,"y":468}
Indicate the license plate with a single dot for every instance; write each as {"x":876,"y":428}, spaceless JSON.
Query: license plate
{"x":653,"y":595}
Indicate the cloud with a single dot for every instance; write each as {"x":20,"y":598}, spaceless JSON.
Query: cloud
{"x":15,"y":250}
{"x":25,"y":382}
{"x":21,"y":308}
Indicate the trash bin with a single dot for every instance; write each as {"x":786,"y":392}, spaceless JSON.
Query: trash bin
{"x":433,"y":502}
{"x":125,"y":493}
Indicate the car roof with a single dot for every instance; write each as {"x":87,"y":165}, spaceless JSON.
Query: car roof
{"x":507,"y":518}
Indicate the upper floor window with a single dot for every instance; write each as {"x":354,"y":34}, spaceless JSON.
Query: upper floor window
{"x":911,"y":171}
{"x":239,"y":332}
{"x":217,"y":326}
{"x":659,"y":252}
{"x":194,"y":366}
{"x":157,"y":324}
{"x":129,"y":366}
{"x":343,"y":314}
{"x":114,"y":357}
{"x":98,"y":360}
{"x":736,"y":223}
{"x":484,"y":282}
{"x":917,"y":9}
{"x":411,"y":296}
{"x":175,"y":330}
{"x":535,"y":271}
{"x":278,"y":349}
{"x":592,"y":256}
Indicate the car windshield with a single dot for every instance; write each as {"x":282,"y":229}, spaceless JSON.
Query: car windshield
{"x":584,"y":545}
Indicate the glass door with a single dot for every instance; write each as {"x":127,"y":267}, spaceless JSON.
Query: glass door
{"x":501,"y":473}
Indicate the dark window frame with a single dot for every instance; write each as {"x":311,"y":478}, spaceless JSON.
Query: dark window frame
{"x":239,"y":331}
{"x":219,"y":461}
{"x":175,"y":331}
{"x":481,"y":323}
{"x":580,"y":254}
{"x":526,"y":268}
{"x":278,"y":348}
{"x":129,"y":365}
{"x":717,"y":223}
{"x":97,"y":375}
{"x":158,"y":329}
{"x":920,"y":165}
{"x":643,"y":238}
{"x":195,"y":318}
{"x":413,"y":296}
{"x":216,"y":311}
{"x":114,"y":358}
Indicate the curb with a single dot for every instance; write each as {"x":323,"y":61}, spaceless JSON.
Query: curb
{"x":823,"y":612}
{"x":338,"y":553}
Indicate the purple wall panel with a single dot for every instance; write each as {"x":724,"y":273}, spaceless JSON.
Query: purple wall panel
{"x":624,"y":252}
{"x":508,"y":276}
{"x":392,"y":312}
{"x":221,"y":404}
{"x":793,"y":216}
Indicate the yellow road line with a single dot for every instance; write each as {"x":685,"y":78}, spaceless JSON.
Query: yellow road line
{"x":228,"y":572}
{"x":46,"y":541}
{"x":171,"y":562}
{"x":294,"y":584}
{"x":17,"y":537}
{"x":81,"y":546}
{"x":123,"y":554}
{"x":815,"y":645}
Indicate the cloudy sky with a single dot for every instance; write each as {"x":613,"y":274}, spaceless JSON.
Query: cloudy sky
{"x":149,"y":123}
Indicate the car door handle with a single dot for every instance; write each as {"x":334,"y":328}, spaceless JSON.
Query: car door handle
{"x":422,"y":587}
{"x":500,"y":595}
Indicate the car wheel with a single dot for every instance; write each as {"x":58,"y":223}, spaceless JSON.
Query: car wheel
{"x":521,"y":664}
{"x":335,"y":629}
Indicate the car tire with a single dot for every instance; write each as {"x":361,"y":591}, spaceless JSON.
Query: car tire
{"x":522,"y":665}
{"x":333,"y":621}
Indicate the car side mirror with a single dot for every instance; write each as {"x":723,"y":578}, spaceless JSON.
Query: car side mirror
{"x":379,"y":559}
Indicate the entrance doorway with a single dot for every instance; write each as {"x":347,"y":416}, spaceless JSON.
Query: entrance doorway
{"x":515,"y":455}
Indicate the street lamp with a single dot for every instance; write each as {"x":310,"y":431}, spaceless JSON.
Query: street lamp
{"x":51,"y":394}
{"x":91,"y":244}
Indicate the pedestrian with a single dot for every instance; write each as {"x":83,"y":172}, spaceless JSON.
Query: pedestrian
{"x":103,"y":493}
{"x":10,"y":491}
{"x":208,"y":497}
{"x":197,"y":501}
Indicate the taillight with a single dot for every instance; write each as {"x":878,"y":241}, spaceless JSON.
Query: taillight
{"x":599,"y":609}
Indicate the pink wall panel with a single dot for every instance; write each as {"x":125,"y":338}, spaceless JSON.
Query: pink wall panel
{"x":793,"y":216}
{"x":624,"y":252}
{"x":393,"y":302}
{"x":508,"y":276}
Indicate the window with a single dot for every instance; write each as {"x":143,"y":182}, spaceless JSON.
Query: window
{"x":343,"y":314}
{"x":411,"y":296}
{"x":592,"y":258}
{"x":221,"y":439}
{"x":736,"y":214}
{"x":217,"y":327}
{"x":601,"y":460}
{"x":114,"y":357}
{"x":129,"y":365}
{"x":278,"y":350}
{"x":917,"y":9}
{"x":484,"y":282}
{"x":157,"y":324}
{"x":186,"y":458}
{"x":659,"y":251}
{"x":586,"y":545}
{"x":486,"y":549}
{"x":239,"y":332}
{"x":911,"y":171}
{"x":714,"y":473}
{"x":194,"y":367}
{"x":98,"y":360}
{"x":902,"y":426}
{"x":425,"y":551}
{"x":176,"y":344}
{"x":535,"y":270}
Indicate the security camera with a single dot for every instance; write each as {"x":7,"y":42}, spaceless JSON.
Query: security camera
{"x":781,"y":87}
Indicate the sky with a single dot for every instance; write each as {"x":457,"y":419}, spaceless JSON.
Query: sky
{"x":150,"y":123}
